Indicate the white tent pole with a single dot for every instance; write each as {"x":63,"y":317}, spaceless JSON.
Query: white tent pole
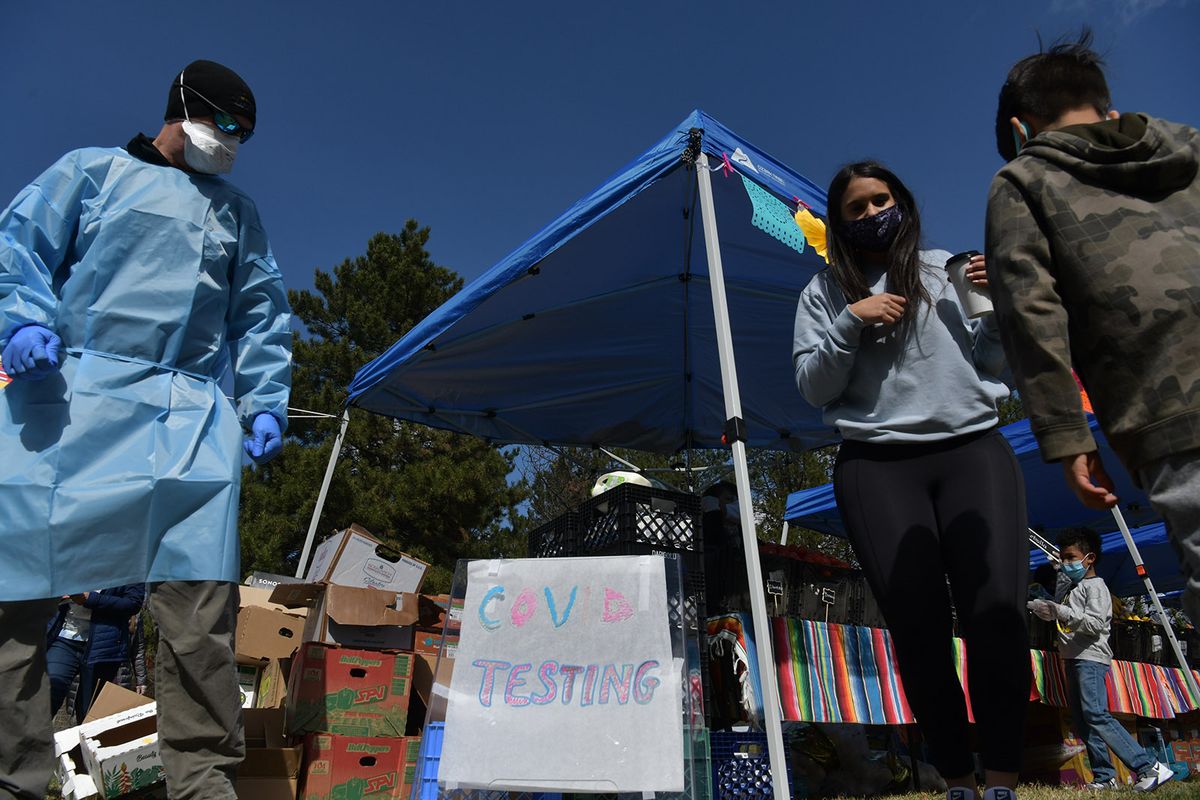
{"x":1140,"y":568}
{"x":783,"y":536}
{"x":733,"y":412}
{"x":316,"y":517}
{"x":1044,"y":544}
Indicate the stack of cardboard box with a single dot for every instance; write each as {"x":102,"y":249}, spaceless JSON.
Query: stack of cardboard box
{"x":350,"y":680}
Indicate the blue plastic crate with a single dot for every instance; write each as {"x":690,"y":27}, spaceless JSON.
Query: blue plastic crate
{"x":427,"y":772}
{"x":741,"y":766}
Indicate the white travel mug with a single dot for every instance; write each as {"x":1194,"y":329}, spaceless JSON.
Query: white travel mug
{"x":974,"y":300}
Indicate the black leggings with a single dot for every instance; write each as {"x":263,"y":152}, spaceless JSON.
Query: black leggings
{"x":918,"y":514}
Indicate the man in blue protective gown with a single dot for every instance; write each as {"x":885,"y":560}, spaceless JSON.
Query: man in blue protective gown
{"x":131,"y":279}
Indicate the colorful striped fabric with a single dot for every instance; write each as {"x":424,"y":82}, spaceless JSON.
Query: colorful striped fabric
{"x":1049,"y":678}
{"x":845,"y":673}
{"x":838,"y":673}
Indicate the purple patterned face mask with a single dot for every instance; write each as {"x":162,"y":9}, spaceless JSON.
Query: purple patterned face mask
{"x":874,"y":233}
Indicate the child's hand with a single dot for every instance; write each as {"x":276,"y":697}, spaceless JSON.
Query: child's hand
{"x":1043,"y":609}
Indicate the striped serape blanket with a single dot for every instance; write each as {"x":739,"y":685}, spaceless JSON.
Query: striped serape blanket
{"x":846,"y":673}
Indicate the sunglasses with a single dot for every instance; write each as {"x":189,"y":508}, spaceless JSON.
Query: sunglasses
{"x":225,"y":122}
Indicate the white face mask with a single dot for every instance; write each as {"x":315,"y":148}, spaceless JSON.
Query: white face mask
{"x":208,"y":150}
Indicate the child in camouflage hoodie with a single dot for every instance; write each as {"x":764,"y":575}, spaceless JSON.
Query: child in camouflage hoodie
{"x":1093,"y":257}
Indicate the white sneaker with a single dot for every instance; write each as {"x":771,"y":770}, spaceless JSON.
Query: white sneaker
{"x":1111,"y":783}
{"x":960,"y":793}
{"x":1000,"y":793}
{"x":1159,"y":774}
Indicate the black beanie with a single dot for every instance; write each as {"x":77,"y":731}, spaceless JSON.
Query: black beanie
{"x":219,"y":84}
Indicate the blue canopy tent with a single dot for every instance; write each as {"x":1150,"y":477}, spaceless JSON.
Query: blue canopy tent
{"x":635,"y":319}
{"x":599,"y":330}
{"x":1050,"y":503}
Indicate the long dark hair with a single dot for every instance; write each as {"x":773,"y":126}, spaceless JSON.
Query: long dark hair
{"x":904,"y":265}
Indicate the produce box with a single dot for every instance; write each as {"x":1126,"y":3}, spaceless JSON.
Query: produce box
{"x":352,"y":616}
{"x":349,"y":692}
{"x":354,"y":557}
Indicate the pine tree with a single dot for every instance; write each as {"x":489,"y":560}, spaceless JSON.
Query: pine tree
{"x":437,"y":495}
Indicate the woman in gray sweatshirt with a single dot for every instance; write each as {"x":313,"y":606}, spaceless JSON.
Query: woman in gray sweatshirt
{"x":928,"y":488}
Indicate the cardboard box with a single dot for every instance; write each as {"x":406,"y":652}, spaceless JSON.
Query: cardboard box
{"x":269,"y":580}
{"x":344,"y":766}
{"x":431,"y":610}
{"x":412,"y":756}
{"x":248,"y":684}
{"x":119,"y":742}
{"x":431,"y":642}
{"x":272,"y":684}
{"x":348,"y":692}
{"x":261,"y":598}
{"x":263,"y":634}
{"x":353,"y":617}
{"x":354,"y":557}
{"x":73,"y":779}
{"x":271,"y":769}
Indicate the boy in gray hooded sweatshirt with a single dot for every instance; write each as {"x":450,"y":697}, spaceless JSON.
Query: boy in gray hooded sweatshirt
{"x":1093,"y":260}
{"x":1082,"y":608}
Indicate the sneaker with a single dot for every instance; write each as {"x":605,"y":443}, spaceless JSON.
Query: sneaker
{"x":960,"y":793}
{"x":1000,"y":793}
{"x":1111,"y":783}
{"x":1153,"y":778}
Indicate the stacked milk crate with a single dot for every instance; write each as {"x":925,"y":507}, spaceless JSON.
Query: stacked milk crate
{"x":641,"y":520}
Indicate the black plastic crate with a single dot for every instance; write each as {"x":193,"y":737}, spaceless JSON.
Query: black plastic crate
{"x":1043,"y":635}
{"x":693,"y":606}
{"x":1127,"y":640}
{"x":741,"y":766}
{"x":557,"y":538}
{"x":629,"y":513}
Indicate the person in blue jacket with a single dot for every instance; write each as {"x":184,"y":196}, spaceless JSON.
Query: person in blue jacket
{"x":131,"y":279}
{"x":89,"y":638}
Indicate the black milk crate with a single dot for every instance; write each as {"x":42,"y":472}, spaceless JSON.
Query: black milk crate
{"x":1043,"y":635}
{"x":827,"y":593}
{"x":633,"y":514}
{"x":556,"y":538}
{"x":694,"y":609}
{"x":741,"y":766}
{"x":1127,"y":640}
{"x":690,"y":603}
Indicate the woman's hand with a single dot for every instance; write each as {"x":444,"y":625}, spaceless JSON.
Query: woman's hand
{"x":885,"y":308}
{"x":977,"y":271}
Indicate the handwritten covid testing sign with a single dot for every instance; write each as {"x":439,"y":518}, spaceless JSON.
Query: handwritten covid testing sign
{"x":564,"y":679}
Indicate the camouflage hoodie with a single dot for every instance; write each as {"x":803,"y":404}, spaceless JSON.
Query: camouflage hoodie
{"x":1093,"y":253}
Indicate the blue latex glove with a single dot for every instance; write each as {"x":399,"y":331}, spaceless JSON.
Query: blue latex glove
{"x":32,"y":353}
{"x":265,"y":440}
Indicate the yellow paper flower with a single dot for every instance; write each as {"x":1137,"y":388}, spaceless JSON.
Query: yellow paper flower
{"x":814,"y":232}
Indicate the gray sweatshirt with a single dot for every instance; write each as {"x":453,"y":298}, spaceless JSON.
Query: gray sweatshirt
{"x":1084,"y":619}
{"x":941,"y":381}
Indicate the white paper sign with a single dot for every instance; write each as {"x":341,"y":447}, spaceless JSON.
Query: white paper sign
{"x":564,"y":679}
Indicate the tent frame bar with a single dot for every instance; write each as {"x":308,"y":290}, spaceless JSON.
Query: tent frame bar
{"x":320,"y":507}
{"x":1188,"y":676}
{"x":733,"y":411}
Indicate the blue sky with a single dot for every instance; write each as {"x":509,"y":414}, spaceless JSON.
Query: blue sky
{"x":485,"y":120}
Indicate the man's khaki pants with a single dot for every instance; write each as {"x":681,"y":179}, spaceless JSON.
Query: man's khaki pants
{"x":200,"y":731}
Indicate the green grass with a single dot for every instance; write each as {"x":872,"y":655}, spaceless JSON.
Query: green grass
{"x":1188,"y":790}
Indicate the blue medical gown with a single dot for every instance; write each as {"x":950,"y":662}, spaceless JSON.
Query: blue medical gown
{"x":125,"y":467}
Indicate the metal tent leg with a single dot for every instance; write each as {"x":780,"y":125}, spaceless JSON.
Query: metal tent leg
{"x":1140,"y":567}
{"x":316,"y":517}
{"x":733,"y":411}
